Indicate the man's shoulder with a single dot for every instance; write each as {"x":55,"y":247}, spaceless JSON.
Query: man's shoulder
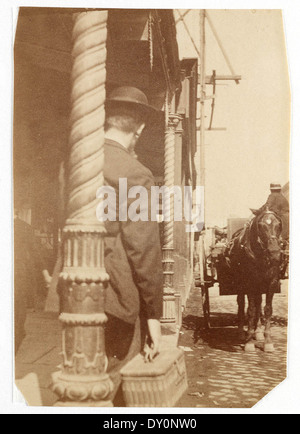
{"x":120,"y":163}
{"x":278,"y":195}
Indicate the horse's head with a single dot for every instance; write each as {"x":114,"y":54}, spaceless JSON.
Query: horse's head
{"x":269,"y":230}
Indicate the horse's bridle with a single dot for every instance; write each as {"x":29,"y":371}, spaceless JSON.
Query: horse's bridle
{"x":265,"y":249}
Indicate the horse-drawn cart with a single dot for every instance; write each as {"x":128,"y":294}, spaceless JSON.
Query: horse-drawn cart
{"x":212,"y":269}
{"x":213,"y":266}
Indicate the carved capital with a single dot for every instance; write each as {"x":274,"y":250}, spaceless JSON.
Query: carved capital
{"x":173,"y":122}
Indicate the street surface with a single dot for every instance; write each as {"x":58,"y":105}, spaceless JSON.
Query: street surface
{"x":220,"y":373}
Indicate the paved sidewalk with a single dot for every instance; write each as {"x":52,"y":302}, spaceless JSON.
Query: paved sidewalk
{"x":39,"y":356}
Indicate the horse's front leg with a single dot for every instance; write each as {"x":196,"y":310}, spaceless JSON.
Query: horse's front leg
{"x":241,"y":314}
{"x":259,"y":333}
{"x":268,"y":346}
{"x":250,"y":341}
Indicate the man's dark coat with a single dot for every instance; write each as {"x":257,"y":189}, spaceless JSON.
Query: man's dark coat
{"x":132,"y":249}
{"x":279,"y":204}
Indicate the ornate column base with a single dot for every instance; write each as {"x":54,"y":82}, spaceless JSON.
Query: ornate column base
{"x":178,"y":309}
{"x":169,"y":305}
{"x":169,"y":308}
{"x":82,"y":391}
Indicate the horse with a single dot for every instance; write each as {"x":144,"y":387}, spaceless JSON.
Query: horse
{"x":254,"y":257}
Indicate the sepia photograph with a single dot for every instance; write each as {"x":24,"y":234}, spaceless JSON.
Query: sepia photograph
{"x":150,"y":207}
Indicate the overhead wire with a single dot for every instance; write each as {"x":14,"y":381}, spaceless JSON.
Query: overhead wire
{"x":188,"y":32}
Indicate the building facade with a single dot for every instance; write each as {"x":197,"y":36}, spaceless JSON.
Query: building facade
{"x":66,"y":62}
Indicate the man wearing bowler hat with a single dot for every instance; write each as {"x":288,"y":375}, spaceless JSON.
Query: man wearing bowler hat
{"x":132,"y":248}
{"x":279,"y":204}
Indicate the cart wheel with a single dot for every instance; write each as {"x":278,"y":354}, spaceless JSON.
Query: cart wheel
{"x":206,"y":305}
{"x":204,"y":285}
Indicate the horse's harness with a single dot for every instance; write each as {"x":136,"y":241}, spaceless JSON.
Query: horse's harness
{"x":243,"y":239}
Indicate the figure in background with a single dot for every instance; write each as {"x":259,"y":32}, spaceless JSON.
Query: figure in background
{"x":132,"y":248}
{"x":278,"y":204}
{"x":31,"y":278}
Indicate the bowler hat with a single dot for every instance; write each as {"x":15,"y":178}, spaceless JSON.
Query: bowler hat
{"x":130,"y":95}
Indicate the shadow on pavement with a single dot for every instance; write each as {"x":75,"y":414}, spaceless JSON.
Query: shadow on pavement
{"x":222,"y":335}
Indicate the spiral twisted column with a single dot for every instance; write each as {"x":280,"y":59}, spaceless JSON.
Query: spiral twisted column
{"x":83,"y":380}
{"x":169,"y":300}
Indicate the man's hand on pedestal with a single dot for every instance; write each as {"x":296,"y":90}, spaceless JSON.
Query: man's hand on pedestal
{"x":153,"y":342}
